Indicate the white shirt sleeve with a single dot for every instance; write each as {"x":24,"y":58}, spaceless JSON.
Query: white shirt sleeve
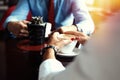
{"x":83,"y":19}
{"x":50,"y":66}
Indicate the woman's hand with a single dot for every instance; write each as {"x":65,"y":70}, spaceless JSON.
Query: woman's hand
{"x":64,"y":29}
{"x":81,"y":37}
{"x":18,"y":28}
{"x":59,"y":40}
{"x":56,"y":41}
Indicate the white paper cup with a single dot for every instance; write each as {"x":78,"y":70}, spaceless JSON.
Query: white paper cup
{"x":68,"y":48}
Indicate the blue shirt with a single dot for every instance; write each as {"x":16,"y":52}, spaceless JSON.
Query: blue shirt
{"x":65,"y":13}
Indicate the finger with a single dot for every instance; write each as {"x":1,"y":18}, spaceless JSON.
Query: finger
{"x":55,"y":34}
{"x":59,"y":44}
{"x":23,"y":31}
{"x":23,"y":25}
{"x":23,"y":34}
{"x":82,"y":40}
{"x":63,"y":43}
{"x":71,"y":32}
{"x":25,"y":21}
{"x":67,"y":41}
{"x":76,"y":33}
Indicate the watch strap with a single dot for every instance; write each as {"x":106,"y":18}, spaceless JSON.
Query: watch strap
{"x":47,"y":47}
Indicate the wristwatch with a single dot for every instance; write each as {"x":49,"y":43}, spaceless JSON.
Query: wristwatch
{"x":49,"y":46}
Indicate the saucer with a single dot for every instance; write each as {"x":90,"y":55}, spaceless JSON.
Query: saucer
{"x":71,"y":54}
{"x":75,"y":52}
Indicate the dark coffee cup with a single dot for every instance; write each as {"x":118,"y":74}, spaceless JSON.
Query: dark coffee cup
{"x":36,"y":33}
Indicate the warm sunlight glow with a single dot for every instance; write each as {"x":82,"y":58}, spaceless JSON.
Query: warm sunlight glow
{"x":100,"y":10}
{"x":107,"y":4}
{"x":89,"y":2}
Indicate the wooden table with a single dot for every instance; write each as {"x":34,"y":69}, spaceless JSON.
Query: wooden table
{"x":18,"y":64}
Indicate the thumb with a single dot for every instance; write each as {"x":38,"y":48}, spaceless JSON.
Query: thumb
{"x":25,"y":21}
{"x":62,"y":43}
{"x":67,"y":41}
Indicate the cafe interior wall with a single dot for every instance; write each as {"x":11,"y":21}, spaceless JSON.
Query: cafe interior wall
{"x":4,"y":4}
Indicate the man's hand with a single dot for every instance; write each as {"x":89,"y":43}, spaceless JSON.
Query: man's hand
{"x":67,"y":28}
{"x":18,"y":28}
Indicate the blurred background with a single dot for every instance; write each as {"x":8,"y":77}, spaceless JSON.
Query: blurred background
{"x":5,"y":4}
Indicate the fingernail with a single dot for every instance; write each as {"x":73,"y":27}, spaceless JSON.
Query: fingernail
{"x":77,"y":38}
{"x":72,"y":39}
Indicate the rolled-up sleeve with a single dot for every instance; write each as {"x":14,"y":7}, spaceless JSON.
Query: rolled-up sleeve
{"x":83,"y":19}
